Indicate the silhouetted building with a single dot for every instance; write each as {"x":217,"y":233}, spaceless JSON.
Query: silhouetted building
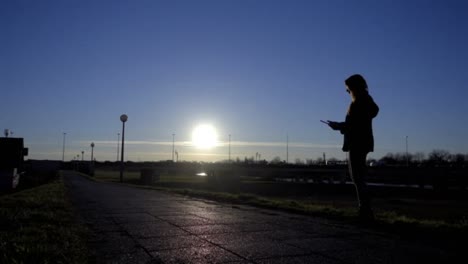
{"x":12,"y":153}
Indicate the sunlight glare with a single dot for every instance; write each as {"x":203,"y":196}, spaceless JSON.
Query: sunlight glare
{"x":204,"y":136}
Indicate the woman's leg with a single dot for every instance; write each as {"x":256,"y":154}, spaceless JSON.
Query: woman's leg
{"x":358,"y":173}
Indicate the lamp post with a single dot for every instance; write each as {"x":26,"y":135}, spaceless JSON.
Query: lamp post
{"x":407,"y":156}
{"x":118,"y":144}
{"x":63,"y":147}
{"x":124,"y":119}
{"x":173,"y":147}
{"x":92,"y":151}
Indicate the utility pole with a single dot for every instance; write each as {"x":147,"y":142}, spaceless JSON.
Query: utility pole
{"x":118,"y":145}
{"x":124,"y":119}
{"x":63,"y":147}
{"x":407,"y":156}
{"x":173,"y":147}
{"x":92,"y":152}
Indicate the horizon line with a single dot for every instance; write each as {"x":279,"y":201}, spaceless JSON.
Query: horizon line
{"x":220,"y":143}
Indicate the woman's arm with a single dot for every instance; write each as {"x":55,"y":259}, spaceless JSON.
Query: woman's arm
{"x":341,"y":126}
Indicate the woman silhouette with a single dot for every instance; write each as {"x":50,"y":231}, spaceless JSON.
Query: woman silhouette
{"x":358,"y":138}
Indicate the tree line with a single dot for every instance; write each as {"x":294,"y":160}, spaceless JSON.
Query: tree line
{"x":437,"y":157}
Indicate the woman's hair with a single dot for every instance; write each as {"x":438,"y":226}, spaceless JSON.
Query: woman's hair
{"x":356,"y":83}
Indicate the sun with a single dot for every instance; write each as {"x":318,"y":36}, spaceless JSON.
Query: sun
{"x":204,"y":136}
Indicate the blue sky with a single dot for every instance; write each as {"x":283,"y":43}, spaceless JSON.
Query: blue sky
{"x":261,"y":71}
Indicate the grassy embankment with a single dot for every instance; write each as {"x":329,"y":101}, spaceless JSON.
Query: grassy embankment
{"x":385,"y":218}
{"x":37,"y":225}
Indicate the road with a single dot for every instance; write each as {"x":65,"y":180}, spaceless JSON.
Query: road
{"x":135,"y":225}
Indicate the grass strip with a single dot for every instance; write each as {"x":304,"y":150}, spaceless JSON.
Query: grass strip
{"x":38,"y":226}
{"x":266,"y":202}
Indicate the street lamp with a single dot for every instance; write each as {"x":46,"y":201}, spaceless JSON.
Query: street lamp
{"x":63,"y":148}
{"x":118,"y":144}
{"x":92,"y":151}
{"x":124,"y":119}
{"x":407,"y":156}
{"x":229,"y":148}
{"x":173,"y":147}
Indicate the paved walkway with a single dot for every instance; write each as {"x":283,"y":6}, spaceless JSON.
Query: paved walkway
{"x":133,"y":225}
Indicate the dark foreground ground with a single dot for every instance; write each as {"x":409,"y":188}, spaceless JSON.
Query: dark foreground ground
{"x":132,"y":225}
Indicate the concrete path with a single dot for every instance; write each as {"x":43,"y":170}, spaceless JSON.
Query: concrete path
{"x":133,"y":225}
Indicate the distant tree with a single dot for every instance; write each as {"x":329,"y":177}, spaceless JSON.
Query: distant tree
{"x":248,"y":160}
{"x":299,"y":161}
{"x":332,"y":161}
{"x":276,"y":160}
{"x":458,"y":160}
{"x":399,"y":158}
{"x":309,"y":161}
{"x":319,"y":161}
{"x":438,"y":157}
{"x":418,"y":157}
{"x":388,"y":159}
{"x":409,"y":158}
{"x":403,"y":158}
